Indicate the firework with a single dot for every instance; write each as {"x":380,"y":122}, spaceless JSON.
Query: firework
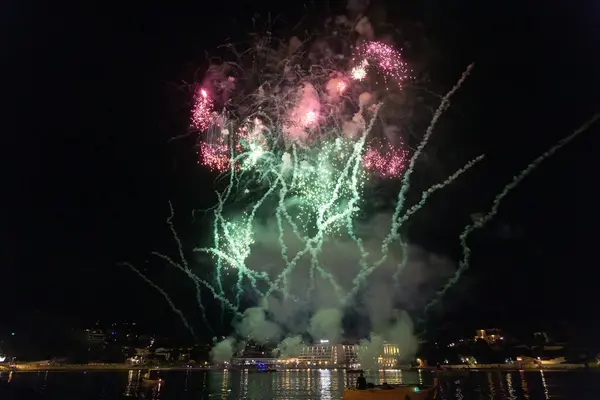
{"x":302,"y":149}
{"x":203,"y":115}
{"x":389,"y":164}
{"x":214,"y":156}
{"x":387,"y":59}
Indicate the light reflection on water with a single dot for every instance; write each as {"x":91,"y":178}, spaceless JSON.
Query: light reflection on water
{"x":300,"y":384}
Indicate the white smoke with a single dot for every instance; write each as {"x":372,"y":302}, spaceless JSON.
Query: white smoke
{"x":369,"y":351}
{"x":365,"y":29}
{"x":223,"y":351}
{"x":290,"y":347}
{"x":254,"y":325}
{"x":399,"y":331}
{"x":326,"y":324}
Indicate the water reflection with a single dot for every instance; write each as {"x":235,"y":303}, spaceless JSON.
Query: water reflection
{"x":244,"y":384}
{"x":524,"y":385}
{"x":459,"y":393}
{"x":511,"y":390}
{"x":185,"y":382}
{"x":545,"y":385}
{"x":225,"y":385}
{"x":325,"y":383}
{"x":156,"y":391}
{"x":491,"y":385}
{"x":133,"y":383}
{"x":41,"y":381}
{"x":297,"y":384}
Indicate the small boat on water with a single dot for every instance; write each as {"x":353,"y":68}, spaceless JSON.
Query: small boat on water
{"x":260,"y":369}
{"x":354,"y":371}
{"x":393,"y":392}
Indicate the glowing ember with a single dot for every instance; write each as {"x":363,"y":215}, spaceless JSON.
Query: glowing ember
{"x":388,"y":165}
{"x":214,"y":156}
{"x":388,"y":59}
{"x":203,"y":115}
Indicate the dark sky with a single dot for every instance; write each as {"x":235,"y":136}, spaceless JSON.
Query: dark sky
{"x":89,"y":106}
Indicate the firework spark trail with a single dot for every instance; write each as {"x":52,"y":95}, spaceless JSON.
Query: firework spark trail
{"x":165,"y":295}
{"x":176,"y":237}
{"x":249,"y":223}
{"x":445,"y":103}
{"x":184,"y":264}
{"x":317,"y":240}
{"x":322,"y":225}
{"x":481,"y":222}
{"x":218,"y":218}
{"x":198,"y":282}
{"x":395,"y":227}
{"x":367,"y":270}
{"x":425,"y":195}
{"x":353,"y":161}
{"x":191,"y":275}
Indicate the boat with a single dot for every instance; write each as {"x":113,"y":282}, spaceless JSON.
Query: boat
{"x":393,"y":392}
{"x":354,"y":371}
{"x":260,"y":368}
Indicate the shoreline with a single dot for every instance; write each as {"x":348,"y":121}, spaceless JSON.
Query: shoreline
{"x":446,"y":369}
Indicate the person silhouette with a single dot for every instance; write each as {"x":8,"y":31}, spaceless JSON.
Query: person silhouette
{"x":361,"y":382}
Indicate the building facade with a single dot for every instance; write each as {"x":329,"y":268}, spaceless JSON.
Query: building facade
{"x":345,"y":355}
{"x":322,"y":355}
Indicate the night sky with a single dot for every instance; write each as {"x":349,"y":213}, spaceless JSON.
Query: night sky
{"x":91,"y":100}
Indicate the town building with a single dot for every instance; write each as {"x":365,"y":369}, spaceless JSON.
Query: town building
{"x":489,"y":335}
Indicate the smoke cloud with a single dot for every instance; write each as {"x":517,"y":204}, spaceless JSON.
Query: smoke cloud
{"x":290,"y":347}
{"x":369,"y":351}
{"x":254,"y":325}
{"x":327,"y":324}
{"x":399,"y":331}
{"x":223,"y":351}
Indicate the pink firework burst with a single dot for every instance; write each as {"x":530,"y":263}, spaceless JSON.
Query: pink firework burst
{"x":214,"y":156}
{"x":389,"y":164}
{"x":386,"y":58}
{"x":310,"y":118}
{"x":203,"y":115}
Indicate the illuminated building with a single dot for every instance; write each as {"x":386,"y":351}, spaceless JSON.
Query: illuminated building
{"x":489,"y":335}
{"x":324,"y":353}
{"x":321,"y":355}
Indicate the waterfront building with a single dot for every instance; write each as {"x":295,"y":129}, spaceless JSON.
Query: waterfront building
{"x":345,"y":355}
{"x":319,"y":355}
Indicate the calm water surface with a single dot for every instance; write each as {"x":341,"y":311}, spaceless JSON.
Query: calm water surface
{"x":291,"y":385}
